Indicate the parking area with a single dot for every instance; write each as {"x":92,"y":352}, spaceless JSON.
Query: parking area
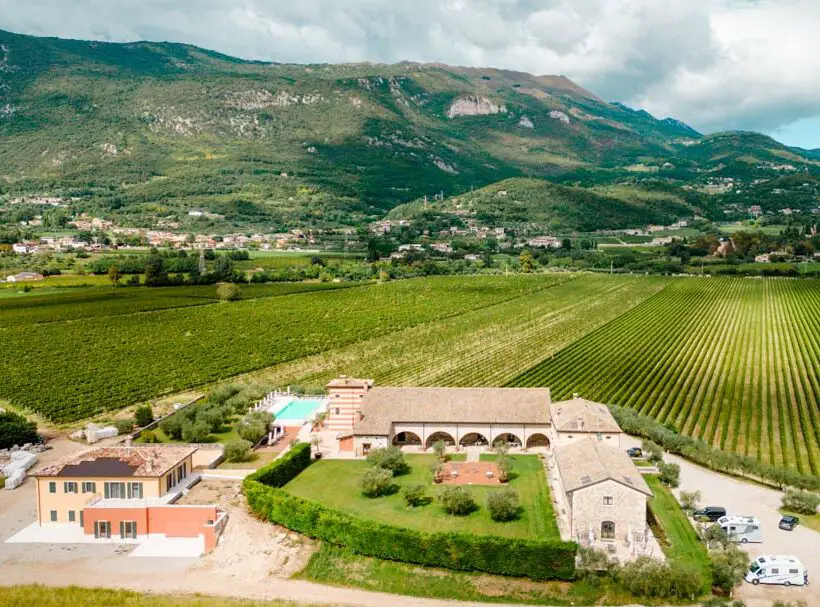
{"x":743,"y":498}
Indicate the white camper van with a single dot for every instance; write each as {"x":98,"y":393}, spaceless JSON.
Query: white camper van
{"x":741,"y":528}
{"x":777,"y":569}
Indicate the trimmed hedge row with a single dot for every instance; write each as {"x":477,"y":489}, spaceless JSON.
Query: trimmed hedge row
{"x":535,"y":559}
{"x":700,"y":452}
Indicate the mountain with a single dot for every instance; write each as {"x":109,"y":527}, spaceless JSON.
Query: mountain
{"x":149,"y":130}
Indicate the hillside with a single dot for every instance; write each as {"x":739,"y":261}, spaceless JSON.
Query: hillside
{"x":536,"y":205}
{"x":146,"y":130}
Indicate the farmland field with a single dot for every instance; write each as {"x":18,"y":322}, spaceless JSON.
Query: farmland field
{"x":735,"y":362}
{"x":73,"y":369}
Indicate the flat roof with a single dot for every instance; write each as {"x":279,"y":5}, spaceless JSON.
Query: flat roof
{"x":381,"y":407}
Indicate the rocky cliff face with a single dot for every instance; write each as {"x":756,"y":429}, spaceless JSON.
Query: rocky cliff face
{"x":473,"y":105}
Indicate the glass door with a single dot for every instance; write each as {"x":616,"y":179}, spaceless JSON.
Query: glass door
{"x":102,"y":529}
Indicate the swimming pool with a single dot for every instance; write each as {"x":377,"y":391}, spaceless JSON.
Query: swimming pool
{"x":299,"y":410}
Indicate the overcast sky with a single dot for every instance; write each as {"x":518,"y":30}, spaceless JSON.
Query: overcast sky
{"x":716,"y":64}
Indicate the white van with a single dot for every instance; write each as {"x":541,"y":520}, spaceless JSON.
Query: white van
{"x":777,"y":569}
{"x":741,"y":528}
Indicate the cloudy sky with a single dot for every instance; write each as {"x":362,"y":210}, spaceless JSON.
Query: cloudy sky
{"x":716,"y":64}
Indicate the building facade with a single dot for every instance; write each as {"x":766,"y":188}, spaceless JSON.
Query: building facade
{"x":345,"y":397}
{"x":126,"y":492}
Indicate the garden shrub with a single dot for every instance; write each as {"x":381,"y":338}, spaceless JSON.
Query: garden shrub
{"x":669,"y":474}
{"x":238,"y":450}
{"x":729,"y":565}
{"x":803,"y":502}
{"x":440,"y":449}
{"x":123,"y":426}
{"x":652,"y":451}
{"x":457,"y":501}
{"x":653,"y":578}
{"x":149,"y":437}
{"x":228,"y":292}
{"x":143,"y":416}
{"x":172,"y":426}
{"x":254,"y":426}
{"x":196,"y":431}
{"x":536,"y":559}
{"x":389,"y":458}
{"x":376,"y":482}
{"x":503,"y":504}
{"x":690,"y":501}
{"x":16,"y":430}
{"x":414,"y":495}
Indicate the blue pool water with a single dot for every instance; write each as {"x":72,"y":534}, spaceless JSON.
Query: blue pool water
{"x":299,"y":409}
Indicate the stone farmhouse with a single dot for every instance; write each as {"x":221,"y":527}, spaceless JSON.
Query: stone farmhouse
{"x":576,"y":419}
{"x":127,"y":492}
{"x":605,"y":495}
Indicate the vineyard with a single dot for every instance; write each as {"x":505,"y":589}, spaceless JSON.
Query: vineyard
{"x":71,"y":370}
{"x":93,"y":302}
{"x":735,"y":362}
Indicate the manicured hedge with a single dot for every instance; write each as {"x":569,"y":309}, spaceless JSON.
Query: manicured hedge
{"x":535,"y":559}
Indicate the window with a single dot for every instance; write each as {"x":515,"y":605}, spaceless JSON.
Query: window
{"x":775,"y":570}
{"x":135,"y":491}
{"x":607,"y":530}
{"x":608,"y":437}
{"x":81,"y":518}
{"x":336,"y":411}
{"x":792,"y":571}
{"x":89,"y":487}
{"x":114,"y":490}
{"x":169,"y":481}
{"x":71,"y":516}
{"x":52,"y":487}
{"x":102,"y":529}
{"x":128,"y":529}
{"x":69,"y":487}
{"x":608,"y":500}
{"x":53,"y":516}
{"x":599,"y":436}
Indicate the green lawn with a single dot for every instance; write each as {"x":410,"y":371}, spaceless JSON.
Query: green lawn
{"x":335,"y":483}
{"x":680,"y":543}
{"x":339,"y":567}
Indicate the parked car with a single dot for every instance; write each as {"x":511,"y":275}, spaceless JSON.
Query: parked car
{"x":634,"y":452}
{"x":710,"y":513}
{"x":789,"y":522}
{"x":778,"y":569}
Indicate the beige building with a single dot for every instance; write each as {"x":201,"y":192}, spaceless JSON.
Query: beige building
{"x":605,"y":495}
{"x":458,"y":416}
{"x":576,"y":419}
{"x":126,"y":492}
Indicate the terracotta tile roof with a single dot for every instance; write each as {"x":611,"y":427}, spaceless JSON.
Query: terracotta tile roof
{"x":582,"y":415}
{"x":590,"y":461}
{"x":140,"y":460}
{"x":383,"y":406}
{"x":349,"y":382}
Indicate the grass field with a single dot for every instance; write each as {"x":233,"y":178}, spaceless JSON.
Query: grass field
{"x":680,"y":543}
{"x":735,"y":362}
{"x":536,"y":520}
{"x":336,"y":566}
{"x":43,"y":596}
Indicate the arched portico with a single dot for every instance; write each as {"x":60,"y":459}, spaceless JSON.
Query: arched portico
{"x":474,"y":439}
{"x":440,"y":436}
{"x":406,"y":438}
{"x":508,"y":438}
{"x":537,"y":440}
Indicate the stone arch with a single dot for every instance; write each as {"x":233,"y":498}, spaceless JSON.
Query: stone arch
{"x":508,"y":438}
{"x":437,"y":436}
{"x":473,"y":438}
{"x":538,"y":440}
{"x":607,"y":530}
{"x":406,"y":438}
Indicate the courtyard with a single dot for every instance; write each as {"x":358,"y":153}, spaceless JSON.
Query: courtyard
{"x":536,"y":518}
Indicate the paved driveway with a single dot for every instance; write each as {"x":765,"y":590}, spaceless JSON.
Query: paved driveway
{"x":742,"y":498}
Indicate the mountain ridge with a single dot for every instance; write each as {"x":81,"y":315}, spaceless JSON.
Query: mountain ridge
{"x":148,"y":129}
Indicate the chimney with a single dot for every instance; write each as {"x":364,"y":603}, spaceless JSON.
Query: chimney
{"x":574,"y":395}
{"x":580,"y":422}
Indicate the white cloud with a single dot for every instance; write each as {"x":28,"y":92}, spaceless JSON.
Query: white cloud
{"x":714,"y":63}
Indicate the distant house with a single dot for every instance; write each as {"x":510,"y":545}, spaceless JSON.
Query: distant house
{"x":545,"y":242}
{"x":25,"y":277}
{"x":763,"y":258}
{"x":471,"y":257}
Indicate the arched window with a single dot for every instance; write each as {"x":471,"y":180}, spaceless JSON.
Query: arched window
{"x":607,"y":530}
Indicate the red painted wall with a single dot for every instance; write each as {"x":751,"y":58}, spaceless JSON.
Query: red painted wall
{"x":115,"y":516}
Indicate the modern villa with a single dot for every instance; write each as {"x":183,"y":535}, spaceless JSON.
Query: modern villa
{"x":127,"y":492}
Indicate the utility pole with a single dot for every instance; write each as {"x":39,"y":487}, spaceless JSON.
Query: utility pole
{"x":611,"y":267}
